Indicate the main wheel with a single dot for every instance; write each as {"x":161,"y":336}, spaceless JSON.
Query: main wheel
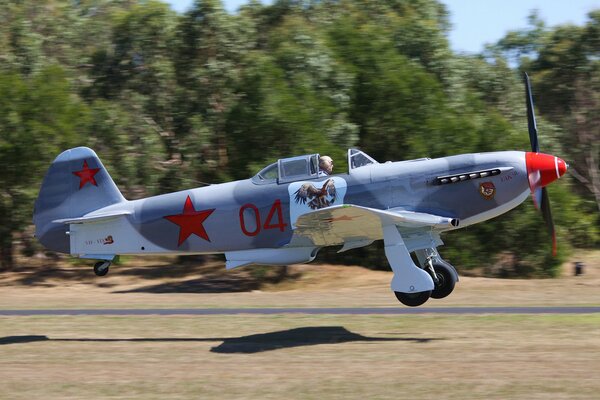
{"x":446,"y":279}
{"x":413,"y":299}
{"x":101,"y":268}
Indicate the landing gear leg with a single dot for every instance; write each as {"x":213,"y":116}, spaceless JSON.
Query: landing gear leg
{"x":443,"y":274}
{"x":101,"y":268}
{"x":431,"y":269}
{"x":411,"y":285}
{"x":444,"y":281}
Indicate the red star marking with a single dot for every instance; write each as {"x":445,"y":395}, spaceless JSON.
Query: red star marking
{"x":86,"y":175}
{"x":190,"y":221}
{"x":340,"y":218}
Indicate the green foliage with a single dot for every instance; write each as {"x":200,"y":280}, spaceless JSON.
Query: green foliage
{"x":38,"y":118}
{"x":171,"y":101}
{"x":565,"y":66}
{"x":130,"y":146}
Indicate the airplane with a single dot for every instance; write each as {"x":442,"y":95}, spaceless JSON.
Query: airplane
{"x":290,"y":210}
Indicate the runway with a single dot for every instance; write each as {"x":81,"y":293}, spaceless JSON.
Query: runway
{"x":308,"y":311}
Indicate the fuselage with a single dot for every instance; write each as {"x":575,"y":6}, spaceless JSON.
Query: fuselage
{"x":247,"y":214}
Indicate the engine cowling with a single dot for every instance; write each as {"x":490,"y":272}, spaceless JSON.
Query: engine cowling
{"x":285,"y":256}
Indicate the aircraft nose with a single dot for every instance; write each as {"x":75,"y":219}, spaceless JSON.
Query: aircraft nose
{"x":544,"y":169}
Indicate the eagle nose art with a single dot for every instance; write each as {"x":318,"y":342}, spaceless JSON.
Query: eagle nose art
{"x":544,"y":169}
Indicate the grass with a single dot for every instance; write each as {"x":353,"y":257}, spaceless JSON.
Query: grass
{"x":292,"y":356}
{"x":166,"y":286}
{"x":271,"y":357}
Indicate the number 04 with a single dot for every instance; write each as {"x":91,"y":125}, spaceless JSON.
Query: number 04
{"x":269,"y":224}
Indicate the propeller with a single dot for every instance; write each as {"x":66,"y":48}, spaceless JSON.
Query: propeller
{"x":531,"y":124}
{"x":542,"y":169}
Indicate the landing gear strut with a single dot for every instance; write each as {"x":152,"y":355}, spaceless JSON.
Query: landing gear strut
{"x":444,"y":280}
{"x":101,"y":268}
{"x":442,"y":273}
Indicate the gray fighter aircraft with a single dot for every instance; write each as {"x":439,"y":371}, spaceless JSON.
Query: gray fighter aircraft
{"x":289,"y":210}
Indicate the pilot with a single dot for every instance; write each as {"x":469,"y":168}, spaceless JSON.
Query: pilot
{"x":325,"y":166}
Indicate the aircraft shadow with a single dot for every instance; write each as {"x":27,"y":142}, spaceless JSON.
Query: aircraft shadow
{"x":257,"y":343}
{"x":306,"y":336}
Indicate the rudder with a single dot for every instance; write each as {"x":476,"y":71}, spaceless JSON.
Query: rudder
{"x":76,"y":183}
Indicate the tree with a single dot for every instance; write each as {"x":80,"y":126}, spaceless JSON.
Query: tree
{"x":565,"y":66}
{"x":38,"y":118}
{"x":170,"y":101}
{"x":207,"y":69}
{"x":132,"y":95}
{"x":584,"y":149}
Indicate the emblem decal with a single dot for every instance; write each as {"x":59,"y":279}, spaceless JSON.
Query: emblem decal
{"x":314,"y":195}
{"x":487,"y":190}
{"x":190,"y":221}
{"x":86,"y":175}
{"x":316,"y":198}
{"x":108,"y":240}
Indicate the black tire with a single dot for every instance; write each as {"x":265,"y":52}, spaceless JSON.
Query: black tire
{"x":413,"y":299}
{"x":446,"y":276}
{"x":101,"y":268}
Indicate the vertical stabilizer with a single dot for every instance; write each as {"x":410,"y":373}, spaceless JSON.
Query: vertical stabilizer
{"x":76,"y":183}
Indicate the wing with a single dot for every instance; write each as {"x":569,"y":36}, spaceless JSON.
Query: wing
{"x":356,"y":226}
{"x":306,"y":191}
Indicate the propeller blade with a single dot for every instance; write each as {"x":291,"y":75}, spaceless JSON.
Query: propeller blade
{"x":536,"y":196}
{"x":547,"y":214}
{"x":539,"y":168}
{"x":531,"y":124}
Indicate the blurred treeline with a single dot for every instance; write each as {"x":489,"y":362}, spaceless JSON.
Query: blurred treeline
{"x":171,"y":101}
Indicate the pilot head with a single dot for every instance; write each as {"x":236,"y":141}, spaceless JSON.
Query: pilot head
{"x":326,"y":164}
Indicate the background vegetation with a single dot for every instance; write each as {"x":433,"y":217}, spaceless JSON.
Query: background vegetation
{"x":173,"y":100}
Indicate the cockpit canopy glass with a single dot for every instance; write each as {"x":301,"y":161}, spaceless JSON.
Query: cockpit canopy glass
{"x":289,"y":170}
{"x":357,"y":159}
{"x":298,"y":168}
{"x":268,"y":173}
{"x":305,"y":167}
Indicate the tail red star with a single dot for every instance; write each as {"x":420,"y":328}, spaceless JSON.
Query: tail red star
{"x":86,"y":175}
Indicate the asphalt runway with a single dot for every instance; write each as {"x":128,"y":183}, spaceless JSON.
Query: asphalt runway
{"x":309,"y":311}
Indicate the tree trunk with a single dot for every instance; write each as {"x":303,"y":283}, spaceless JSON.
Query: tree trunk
{"x":586,"y":128}
{"x":6,"y":255}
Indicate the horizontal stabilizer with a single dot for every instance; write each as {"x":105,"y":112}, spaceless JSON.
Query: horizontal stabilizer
{"x":92,"y":218}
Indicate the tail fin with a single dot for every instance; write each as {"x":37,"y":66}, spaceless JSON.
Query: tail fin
{"x":76,"y":183}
